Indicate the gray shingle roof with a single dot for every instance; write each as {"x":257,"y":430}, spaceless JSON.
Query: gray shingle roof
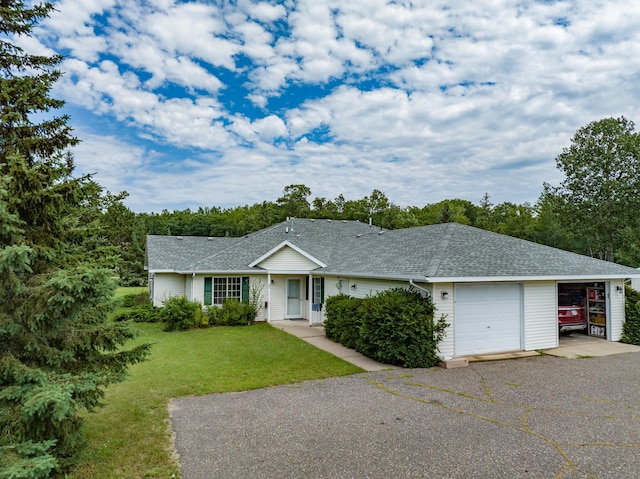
{"x":352,"y":248}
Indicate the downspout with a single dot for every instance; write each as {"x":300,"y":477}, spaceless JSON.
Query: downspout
{"x":193,"y":283}
{"x":268,"y":297}
{"x":427,"y":292}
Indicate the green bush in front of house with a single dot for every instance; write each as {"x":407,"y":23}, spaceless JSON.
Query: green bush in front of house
{"x":398,"y":327}
{"x":631,"y":326}
{"x":343,"y":319}
{"x":180,"y":314}
{"x":233,"y":313}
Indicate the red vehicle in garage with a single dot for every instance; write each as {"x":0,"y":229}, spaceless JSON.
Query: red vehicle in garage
{"x":571,"y":313}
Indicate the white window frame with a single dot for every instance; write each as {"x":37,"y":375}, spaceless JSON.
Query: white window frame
{"x":225,"y":287}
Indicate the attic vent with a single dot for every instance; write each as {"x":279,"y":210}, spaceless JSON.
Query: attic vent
{"x":328,"y":221}
{"x":312,"y":220}
{"x":178,"y":237}
{"x":380,"y":232}
{"x":358,"y":235}
{"x":344,"y":221}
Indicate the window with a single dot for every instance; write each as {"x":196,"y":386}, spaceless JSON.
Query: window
{"x":226,"y":288}
{"x":216,"y":290}
{"x":318,"y":290}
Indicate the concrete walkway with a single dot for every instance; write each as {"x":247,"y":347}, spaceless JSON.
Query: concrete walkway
{"x":572,"y":346}
{"x":315,"y":335}
{"x":579,"y":345}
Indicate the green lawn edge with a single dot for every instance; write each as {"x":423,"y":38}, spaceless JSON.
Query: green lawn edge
{"x":131,"y":436}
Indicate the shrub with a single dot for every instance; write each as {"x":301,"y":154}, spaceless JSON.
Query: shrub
{"x":179,"y":313}
{"x":133,"y":300}
{"x":145,"y":313}
{"x":343,"y":319}
{"x":631,"y":326}
{"x":398,"y":328}
{"x":235,"y":313}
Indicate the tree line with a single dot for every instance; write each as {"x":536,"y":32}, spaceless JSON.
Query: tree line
{"x":594,"y":210}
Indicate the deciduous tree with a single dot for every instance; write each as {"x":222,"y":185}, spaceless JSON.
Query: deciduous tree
{"x":601,"y":189}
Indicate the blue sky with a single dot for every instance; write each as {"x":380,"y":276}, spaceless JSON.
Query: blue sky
{"x":223,"y":103}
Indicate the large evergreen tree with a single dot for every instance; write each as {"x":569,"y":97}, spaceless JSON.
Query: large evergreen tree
{"x":57,"y":349}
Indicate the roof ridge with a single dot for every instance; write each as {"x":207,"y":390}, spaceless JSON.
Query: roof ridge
{"x":435,"y":263}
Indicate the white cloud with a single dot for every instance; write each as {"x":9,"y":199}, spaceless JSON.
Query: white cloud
{"x":263,"y":11}
{"x":423,"y":100}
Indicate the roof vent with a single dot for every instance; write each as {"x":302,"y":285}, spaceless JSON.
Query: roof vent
{"x":210,"y":238}
{"x":178,"y":237}
{"x":328,"y":221}
{"x":286,"y":229}
{"x":358,"y":235}
{"x":312,"y":220}
{"x":380,"y":232}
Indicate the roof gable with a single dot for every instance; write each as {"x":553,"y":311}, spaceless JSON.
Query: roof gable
{"x":286,"y":256}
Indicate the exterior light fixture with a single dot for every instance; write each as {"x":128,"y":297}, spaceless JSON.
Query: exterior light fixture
{"x":444,"y":295}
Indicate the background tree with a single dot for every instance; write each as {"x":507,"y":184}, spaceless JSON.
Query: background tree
{"x":57,"y":349}
{"x":294,"y":202}
{"x":600,"y":195}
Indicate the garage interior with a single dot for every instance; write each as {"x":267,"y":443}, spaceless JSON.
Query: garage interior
{"x":582,"y":309}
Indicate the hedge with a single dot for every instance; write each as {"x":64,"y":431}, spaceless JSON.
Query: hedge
{"x":631,"y":326}
{"x":395,"y":326}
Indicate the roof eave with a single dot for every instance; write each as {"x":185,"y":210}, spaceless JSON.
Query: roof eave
{"x":567,"y":277}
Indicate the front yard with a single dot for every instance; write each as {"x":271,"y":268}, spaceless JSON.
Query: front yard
{"x":130,"y":436}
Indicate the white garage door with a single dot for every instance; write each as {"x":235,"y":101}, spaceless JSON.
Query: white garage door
{"x":487,"y":318}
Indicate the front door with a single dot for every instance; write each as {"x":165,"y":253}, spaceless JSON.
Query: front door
{"x":294,"y":300}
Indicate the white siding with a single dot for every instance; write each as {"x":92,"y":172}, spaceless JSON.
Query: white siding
{"x":288,"y":259}
{"x":361,"y":288}
{"x":188,"y":287}
{"x":617,"y":309}
{"x":166,"y":285}
{"x":635,"y":282}
{"x":540,"y":315}
{"x":364,"y":287}
{"x":278,"y":298}
{"x":445,"y":306}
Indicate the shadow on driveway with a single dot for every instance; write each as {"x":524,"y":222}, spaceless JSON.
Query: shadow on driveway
{"x":539,"y":417}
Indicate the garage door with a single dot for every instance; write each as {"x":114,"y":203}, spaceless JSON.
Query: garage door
{"x":487,"y":318}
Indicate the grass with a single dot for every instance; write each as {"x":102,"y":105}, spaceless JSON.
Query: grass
{"x":130,"y":436}
{"x":122,"y":291}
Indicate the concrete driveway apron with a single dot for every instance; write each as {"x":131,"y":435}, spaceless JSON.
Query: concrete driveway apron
{"x":539,"y":417}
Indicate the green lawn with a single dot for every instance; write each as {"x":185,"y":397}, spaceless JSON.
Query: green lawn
{"x":130,"y":436}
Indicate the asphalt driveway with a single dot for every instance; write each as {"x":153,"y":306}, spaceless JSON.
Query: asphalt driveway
{"x":539,"y":417}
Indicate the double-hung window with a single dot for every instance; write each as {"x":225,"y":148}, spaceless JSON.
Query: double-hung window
{"x":318,"y":290}
{"x":217,"y":289}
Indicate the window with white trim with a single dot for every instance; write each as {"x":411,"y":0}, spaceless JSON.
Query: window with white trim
{"x":216,"y":290}
{"x":224,"y":288}
{"x":318,"y":290}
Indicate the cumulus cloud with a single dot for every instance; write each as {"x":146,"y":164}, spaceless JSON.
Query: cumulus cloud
{"x":424,"y":100}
